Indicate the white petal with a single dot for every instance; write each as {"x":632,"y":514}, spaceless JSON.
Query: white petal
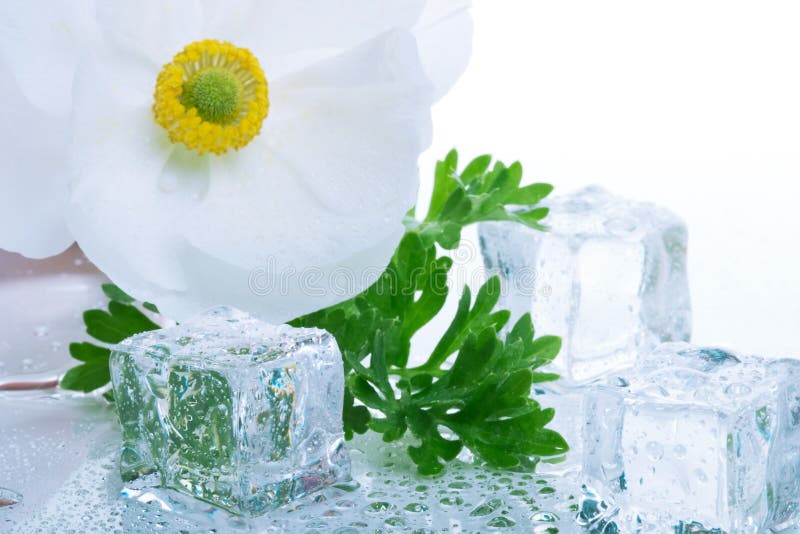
{"x":33,"y":175}
{"x":444,"y":36}
{"x":155,"y":28}
{"x":41,"y":45}
{"x":117,"y":212}
{"x":353,"y":127}
{"x":275,"y":290}
{"x":289,"y":35}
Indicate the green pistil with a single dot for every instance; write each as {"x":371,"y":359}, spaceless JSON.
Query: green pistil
{"x":215,"y":94}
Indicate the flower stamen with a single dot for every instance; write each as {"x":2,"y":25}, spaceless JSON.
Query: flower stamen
{"x":212,"y":97}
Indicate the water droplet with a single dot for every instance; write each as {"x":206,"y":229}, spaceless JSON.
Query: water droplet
{"x":544,"y":517}
{"x":416,"y":507}
{"x":500,"y":522}
{"x":680,"y":452}
{"x":351,"y":486}
{"x":379,"y":506}
{"x":41,"y":331}
{"x":620,"y":225}
{"x":592,"y":507}
{"x":395,"y":521}
{"x":487,"y":508}
{"x":452,"y":501}
{"x":738,"y":389}
{"x":701,"y":475}
{"x":655,"y":451}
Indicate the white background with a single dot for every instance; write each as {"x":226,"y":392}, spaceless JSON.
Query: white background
{"x":690,"y":104}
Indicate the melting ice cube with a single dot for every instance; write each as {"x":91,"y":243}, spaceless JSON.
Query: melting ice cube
{"x":231,"y":410}
{"x":697,"y":437}
{"x":609,"y":278}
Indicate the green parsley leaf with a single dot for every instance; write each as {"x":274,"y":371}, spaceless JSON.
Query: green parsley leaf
{"x":474,"y":389}
{"x":119,"y":322}
{"x":122,"y":320}
{"x":116,"y":294}
{"x":86,"y":377}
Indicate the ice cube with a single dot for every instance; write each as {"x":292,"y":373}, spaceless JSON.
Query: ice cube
{"x":609,"y":277}
{"x":231,"y":410}
{"x":569,"y":421}
{"x":697,"y":437}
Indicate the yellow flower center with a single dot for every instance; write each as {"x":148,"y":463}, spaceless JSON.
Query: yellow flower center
{"x":212,"y":97}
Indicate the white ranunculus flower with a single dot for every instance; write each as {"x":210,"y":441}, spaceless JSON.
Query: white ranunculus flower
{"x":39,"y":50}
{"x":258,"y":154}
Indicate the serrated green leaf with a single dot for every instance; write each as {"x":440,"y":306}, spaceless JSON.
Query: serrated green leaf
{"x":445,"y":449}
{"x":395,"y":432}
{"x":136,"y":321}
{"x":115,"y":294}
{"x":361,"y":388}
{"x":544,"y":377}
{"x":530,"y":194}
{"x":523,"y":330}
{"x":392,"y":427}
{"x":445,"y":183}
{"x":474,"y":388}
{"x":487,"y":296}
{"x":497,"y":457}
{"x":355,"y":417}
{"x":545,"y":349}
{"x":101,"y":325}
{"x":421,"y":381}
{"x":515,"y":385}
{"x":426,"y":460}
{"x":472,"y":358}
{"x":119,"y":323}
{"x":86,"y":377}
{"x":475,"y":169}
{"x":89,"y":353}
{"x":457,"y":206}
{"x":533,"y":216}
{"x":504,"y":185}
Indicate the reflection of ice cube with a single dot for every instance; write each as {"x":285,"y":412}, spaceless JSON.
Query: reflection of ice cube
{"x":609,"y":278}
{"x":239,"y":413}
{"x":697,"y":436}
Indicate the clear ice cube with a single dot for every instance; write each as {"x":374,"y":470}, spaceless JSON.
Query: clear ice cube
{"x":698,"y":439}
{"x":236,"y":412}
{"x":609,"y":277}
{"x":569,"y":420}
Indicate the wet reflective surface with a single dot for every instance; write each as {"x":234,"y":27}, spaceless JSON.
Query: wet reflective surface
{"x":58,"y":461}
{"x":42,"y":302}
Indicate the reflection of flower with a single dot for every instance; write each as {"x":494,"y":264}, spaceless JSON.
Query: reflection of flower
{"x":294,"y":146}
